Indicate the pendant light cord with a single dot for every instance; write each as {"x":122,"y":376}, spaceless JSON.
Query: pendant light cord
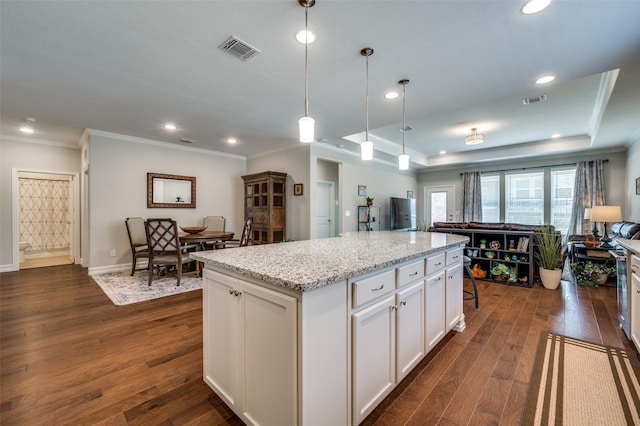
{"x":306,"y":46}
{"x":366,"y":108}
{"x":404,"y":126}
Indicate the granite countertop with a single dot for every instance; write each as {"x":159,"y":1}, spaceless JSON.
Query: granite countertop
{"x":306,"y":265}
{"x":633,"y":245}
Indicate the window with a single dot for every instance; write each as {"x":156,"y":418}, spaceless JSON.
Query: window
{"x":490,"y":198}
{"x":562,"y":181}
{"x":524,"y":198}
{"x":532,"y":197}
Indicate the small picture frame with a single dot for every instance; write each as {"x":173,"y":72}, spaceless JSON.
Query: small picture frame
{"x":638,"y":186}
{"x":362,"y":190}
{"x":410,"y":194}
{"x":297,"y":189}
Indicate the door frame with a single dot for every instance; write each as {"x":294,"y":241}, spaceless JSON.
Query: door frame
{"x":75,"y":214}
{"x":451,"y":201}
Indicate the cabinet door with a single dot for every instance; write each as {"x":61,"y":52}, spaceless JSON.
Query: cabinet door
{"x":270,"y":361}
{"x":373,"y":356}
{"x":635,"y":309}
{"x":222,"y":319}
{"x":454,"y":297}
{"x":434,"y":309}
{"x":409,"y":329}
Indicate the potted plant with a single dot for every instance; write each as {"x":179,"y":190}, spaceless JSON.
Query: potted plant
{"x":500,"y":271}
{"x":592,"y":274}
{"x":369,"y":201}
{"x":483,"y":243}
{"x":490,"y":254}
{"x":549,"y":256}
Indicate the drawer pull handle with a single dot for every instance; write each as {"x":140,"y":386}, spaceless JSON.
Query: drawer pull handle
{"x":438,"y":264}
{"x":638,"y":291}
{"x":231,"y":291}
{"x":414,"y":274}
{"x":456,"y":256}
{"x":378,"y":288}
{"x":404,"y":302}
{"x":393,"y":308}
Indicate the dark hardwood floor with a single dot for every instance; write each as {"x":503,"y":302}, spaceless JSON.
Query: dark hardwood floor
{"x":69,"y":356}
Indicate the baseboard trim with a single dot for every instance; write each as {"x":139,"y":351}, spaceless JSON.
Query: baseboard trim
{"x":8,"y":268}
{"x":109,"y":268}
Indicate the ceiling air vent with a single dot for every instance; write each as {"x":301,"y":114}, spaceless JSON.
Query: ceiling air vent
{"x":239,"y":48}
{"x":534,"y":100}
{"x":185,"y":140}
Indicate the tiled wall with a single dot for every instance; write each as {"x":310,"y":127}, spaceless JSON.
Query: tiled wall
{"x":45,"y":214}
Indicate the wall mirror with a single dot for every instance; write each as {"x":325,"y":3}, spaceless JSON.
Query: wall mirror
{"x":171,"y":191}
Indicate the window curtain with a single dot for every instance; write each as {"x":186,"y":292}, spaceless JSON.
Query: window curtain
{"x":471,"y":197}
{"x":589,"y":192}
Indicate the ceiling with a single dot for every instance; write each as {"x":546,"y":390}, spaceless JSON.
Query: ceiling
{"x":128,"y":67}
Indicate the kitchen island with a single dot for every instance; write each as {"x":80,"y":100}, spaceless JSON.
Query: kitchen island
{"x":632,"y":292}
{"x":319,"y":332}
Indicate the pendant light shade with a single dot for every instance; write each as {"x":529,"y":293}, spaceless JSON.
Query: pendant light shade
{"x":403,"y":159}
{"x":306,"y":123}
{"x":366,"y":147}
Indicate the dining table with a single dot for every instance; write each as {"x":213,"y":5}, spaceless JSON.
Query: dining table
{"x":201,"y":238}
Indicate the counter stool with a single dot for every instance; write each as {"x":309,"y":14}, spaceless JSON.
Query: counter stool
{"x":472,"y":294}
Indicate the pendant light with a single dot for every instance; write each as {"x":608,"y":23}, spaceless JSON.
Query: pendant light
{"x":403,"y":160}
{"x":366,"y":147}
{"x":306,"y":123}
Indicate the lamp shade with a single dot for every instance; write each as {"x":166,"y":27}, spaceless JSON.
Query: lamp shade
{"x":403,"y":162}
{"x":587,"y":214}
{"x":307,"y":125}
{"x":606,"y":214}
{"x":366,"y":150}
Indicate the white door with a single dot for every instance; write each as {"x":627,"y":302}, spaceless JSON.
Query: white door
{"x":373,"y":357}
{"x":454,"y":295}
{"x":435,"y":308}
{"x":325,"y":205}
{"x":222,"y":314}
{"x":410,"y":329}
{"x":439,"y":204}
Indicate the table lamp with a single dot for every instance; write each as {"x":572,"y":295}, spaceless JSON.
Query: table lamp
{"x":606,"y":214}
{"x":587,"y":216}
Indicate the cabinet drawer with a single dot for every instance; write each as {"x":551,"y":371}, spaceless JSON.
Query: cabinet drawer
{"x":409,"y":273}
{"x":454,"y":256}
{"x":370,"y":288}
{"x":435,"y":263}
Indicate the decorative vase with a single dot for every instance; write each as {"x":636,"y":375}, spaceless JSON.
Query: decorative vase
{"x":602,"y":279}
{"x":369,"y":203}
{"x":550,"y":278}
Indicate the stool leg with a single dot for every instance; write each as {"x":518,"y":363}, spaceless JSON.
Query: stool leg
{"x":474,"y":295}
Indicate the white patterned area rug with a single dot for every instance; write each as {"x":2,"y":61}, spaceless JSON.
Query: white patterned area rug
{"x":124,"y":289}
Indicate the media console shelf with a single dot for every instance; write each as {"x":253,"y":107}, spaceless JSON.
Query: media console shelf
{"x":512,"y":248}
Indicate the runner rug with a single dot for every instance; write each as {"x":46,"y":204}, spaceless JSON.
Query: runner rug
{"x":124,"y":289}
{"x":580,"y":383}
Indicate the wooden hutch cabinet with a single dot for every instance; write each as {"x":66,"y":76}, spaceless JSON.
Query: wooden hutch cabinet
{"x":265,"y":201}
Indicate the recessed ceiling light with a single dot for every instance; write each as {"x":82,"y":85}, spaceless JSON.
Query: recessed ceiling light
{"x":25,"y":129}
{"x":28,"y":128}
{"x":545,"y":79}
{"x":535,"y":6}
{"x":391,"y":95}
{"x":443,"y":152}
{"x":555,"y":135}
{"x":231,"y":141}
{"x":303,"y":36}
{"x":170,"y":126}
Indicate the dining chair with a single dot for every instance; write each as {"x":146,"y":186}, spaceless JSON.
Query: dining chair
{"x":216,"y":224}
{"x":164,"y":246}
{"x":245,"y":239}
{"x":137,"y":241}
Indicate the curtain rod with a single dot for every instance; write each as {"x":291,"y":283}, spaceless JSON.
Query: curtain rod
{"x":606,"y":160}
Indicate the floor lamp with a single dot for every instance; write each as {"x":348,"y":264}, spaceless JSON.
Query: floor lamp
{"x":606,"y":214}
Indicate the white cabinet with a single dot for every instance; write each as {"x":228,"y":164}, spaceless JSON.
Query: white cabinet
{"x":454,"y":316}
{"x":374,"y":355}
{"x":435,"y":309}
{"x":634,"y":288}
{"x":409,"y":328}
{"x":250,"y":338}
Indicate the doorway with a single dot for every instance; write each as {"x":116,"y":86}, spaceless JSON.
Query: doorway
{"x":44,"y":218}
{"x":439,"y":204}
{"x":325,"y":209}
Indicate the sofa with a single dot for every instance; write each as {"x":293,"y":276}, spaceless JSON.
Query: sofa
{"x":486,"y":225}
{"x":627,"y":230}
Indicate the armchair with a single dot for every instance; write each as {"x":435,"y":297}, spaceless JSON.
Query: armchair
{"x":137,"y":241}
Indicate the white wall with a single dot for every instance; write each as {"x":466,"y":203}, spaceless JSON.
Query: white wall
{"x":381,"y":179}
{"x":118,"y":167}
{"x":24,"y":155}
{"x":614,"y":171}
{"x":294,"y":162}
{"x":633,"y":173}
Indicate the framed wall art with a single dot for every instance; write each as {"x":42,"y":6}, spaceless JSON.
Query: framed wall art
{"x":297,"y":189}
{"x":362,"y":190}
{"x":638,"y":186}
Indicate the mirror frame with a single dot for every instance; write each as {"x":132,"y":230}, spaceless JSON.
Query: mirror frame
{"x":150,"y":180}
